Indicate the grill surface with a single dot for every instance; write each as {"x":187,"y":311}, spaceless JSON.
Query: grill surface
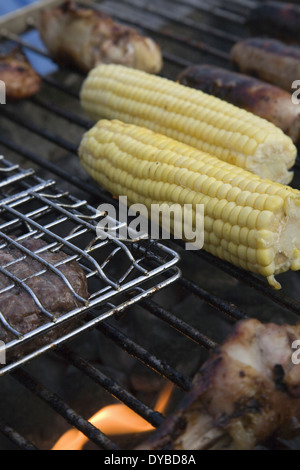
{"x":213,"y":294}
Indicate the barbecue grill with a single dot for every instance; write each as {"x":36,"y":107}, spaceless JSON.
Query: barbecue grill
{"x":45,"y":194}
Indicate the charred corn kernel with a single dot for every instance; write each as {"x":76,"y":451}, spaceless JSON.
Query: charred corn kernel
{"x":258,"y":231}
{"x":190,"y":116}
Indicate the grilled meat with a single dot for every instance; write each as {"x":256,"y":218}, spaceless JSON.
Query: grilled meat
{"x":19,"y":307}
{"x":260,"y":98}
{"x":83,"y":38}
{"x":248,"y":390}
{"x":20,"y":79}
{"x":269,"y":60}
{"x":277,"y":19}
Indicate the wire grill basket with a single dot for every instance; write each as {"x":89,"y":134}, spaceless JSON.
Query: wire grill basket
{"x":33,"y":208}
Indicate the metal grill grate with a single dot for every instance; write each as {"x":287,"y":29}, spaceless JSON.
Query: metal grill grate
{"x":190,"y":31}
{"x":40,"y":211}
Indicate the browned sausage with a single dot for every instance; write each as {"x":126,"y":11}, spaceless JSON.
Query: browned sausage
{"x":268,"y":59}
{"x":277,"y":19}
{"x":260,"y":98}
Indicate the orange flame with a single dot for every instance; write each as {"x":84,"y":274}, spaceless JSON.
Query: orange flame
{"x":112,"y":420}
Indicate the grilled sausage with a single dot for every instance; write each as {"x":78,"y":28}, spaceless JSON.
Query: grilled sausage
{"x":21,"y":80}
{"x":277,"y":19}
{"x":268,"y":59}
{"x":260,"y":98}
{"x":83,"y":38}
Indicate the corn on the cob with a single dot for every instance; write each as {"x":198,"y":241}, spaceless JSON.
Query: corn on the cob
{"x":190,"y":116}
{"x":251,"y":222}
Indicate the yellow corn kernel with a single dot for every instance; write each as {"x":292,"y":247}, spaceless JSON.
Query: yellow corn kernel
{"x":190,"y":116}
{"x":255,"y":231}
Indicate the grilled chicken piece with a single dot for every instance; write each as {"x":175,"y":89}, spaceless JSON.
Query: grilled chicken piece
{"x":268,"y":59}
{"x":248,"y":390}
{"x":21,"y":80}
{"x":277,"y":19}
{"x":83,"y":38}
{"x":260,"y":98}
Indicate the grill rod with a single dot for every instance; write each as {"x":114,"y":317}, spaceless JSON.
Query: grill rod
{"x":215,"y":9}
{"x":254,"y":282}
{"x":52,"y":399}
{"x":140,"y":353}
{"x":217,"y":5}
{"x":15,"y":437}
{"x":186,"y":22}
{"x":153,"y":417}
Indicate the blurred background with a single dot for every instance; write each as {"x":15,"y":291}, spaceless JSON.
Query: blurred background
{"x":42,"y":65}
{"x":10,"y":5}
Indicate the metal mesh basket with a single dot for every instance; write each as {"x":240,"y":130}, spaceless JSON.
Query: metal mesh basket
{"x":33,"y":208}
